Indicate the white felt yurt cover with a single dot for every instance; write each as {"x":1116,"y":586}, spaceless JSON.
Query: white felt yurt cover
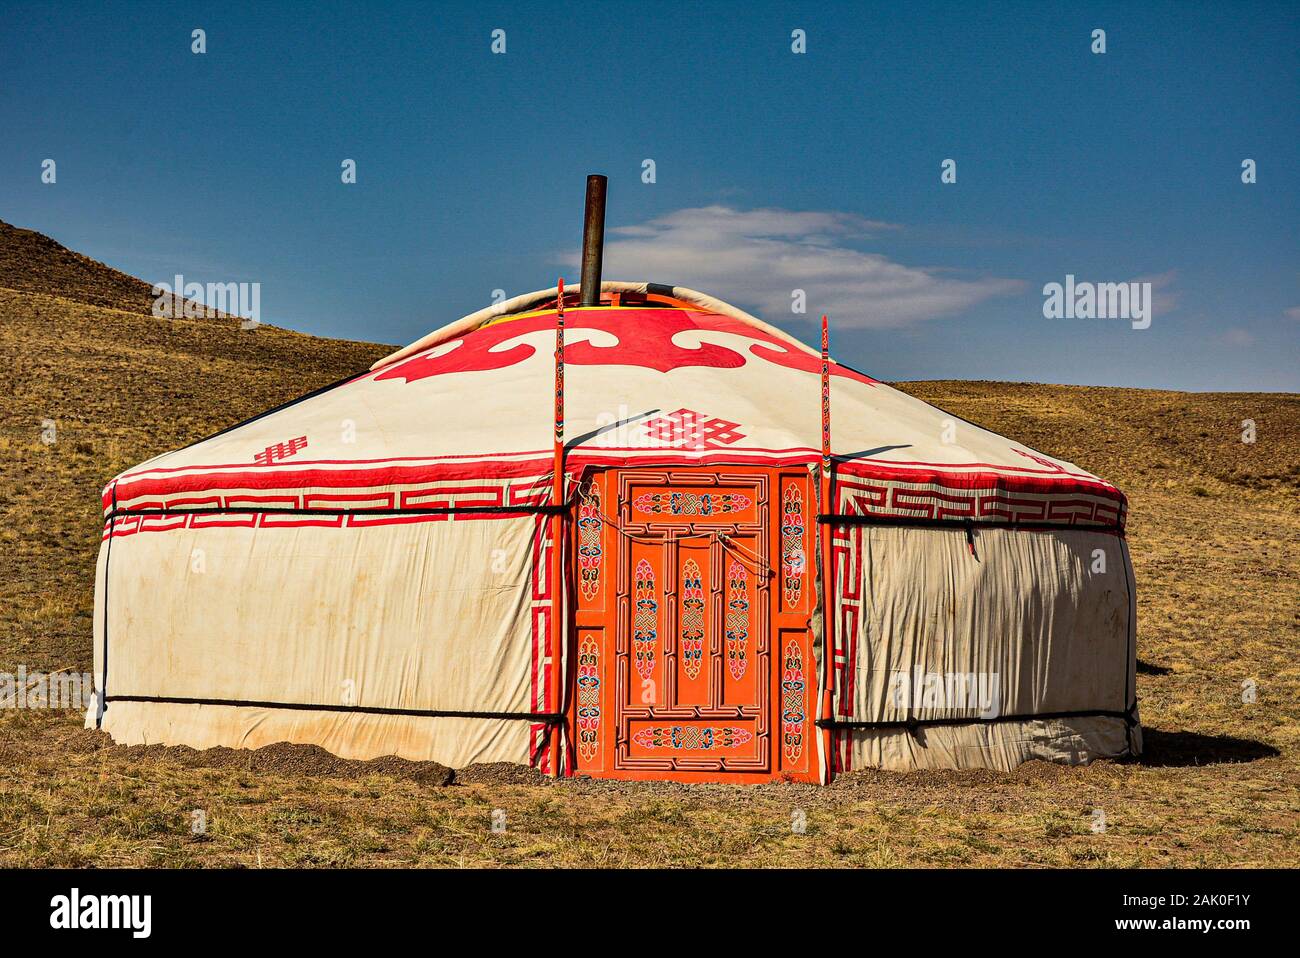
{"x":293,"y":578}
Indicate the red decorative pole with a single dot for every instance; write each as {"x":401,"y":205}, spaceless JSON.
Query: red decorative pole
{"x":557,"y":540}
{"x":824,"y":530}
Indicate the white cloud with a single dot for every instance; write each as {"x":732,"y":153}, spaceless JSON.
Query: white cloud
{"x":1293,"y":313}
{"x":1164,"y":299}
{"x":755,"y":258}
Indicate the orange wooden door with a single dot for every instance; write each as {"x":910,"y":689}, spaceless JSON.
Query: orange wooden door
{"x":693,"y":647}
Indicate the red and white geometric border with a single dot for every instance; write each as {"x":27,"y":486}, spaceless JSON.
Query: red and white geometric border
{"x":894,"y":499}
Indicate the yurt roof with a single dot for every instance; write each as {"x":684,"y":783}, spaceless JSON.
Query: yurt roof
{"x":615,"y":290}
{"x":654,"y":375}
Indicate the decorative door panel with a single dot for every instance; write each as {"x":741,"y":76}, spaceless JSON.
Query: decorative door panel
{"x":693,"y":679}
{"x":655,"y":500}
{"x":641,"y":656}
{"x":745,"y":661}
{"x":589,"y":701}
{"x":795,"y":545}
{"x":694,"y":654}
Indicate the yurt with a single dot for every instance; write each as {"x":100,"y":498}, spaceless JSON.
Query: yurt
{"x":625,"y":531}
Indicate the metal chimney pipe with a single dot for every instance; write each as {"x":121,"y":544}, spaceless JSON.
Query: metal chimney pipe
{"x":593,"y":239}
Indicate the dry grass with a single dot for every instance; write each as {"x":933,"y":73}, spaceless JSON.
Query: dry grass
{"x":1214,"y":536}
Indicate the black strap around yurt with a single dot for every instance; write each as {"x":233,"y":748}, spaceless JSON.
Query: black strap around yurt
{"x":1129,"y":717}
{"x":546,"y":509}
{"x":108,"y":563}
{"x":968,"y":526}
{"x":548,"y":718}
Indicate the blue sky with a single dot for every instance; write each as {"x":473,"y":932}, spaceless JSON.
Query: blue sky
{"x":774,"y":170}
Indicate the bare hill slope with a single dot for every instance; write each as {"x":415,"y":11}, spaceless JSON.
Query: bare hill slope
{"x":32,"y":262}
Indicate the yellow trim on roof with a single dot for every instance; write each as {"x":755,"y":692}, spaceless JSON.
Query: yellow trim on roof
{"x":579,"y":309}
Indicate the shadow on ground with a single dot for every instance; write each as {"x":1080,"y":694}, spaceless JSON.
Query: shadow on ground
{"x":1185,"y":749}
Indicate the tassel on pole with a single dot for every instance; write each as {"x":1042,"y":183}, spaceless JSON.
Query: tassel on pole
{"x":828,"y":578}
{"x":559,"y":379}
{"x":826,"y":403}
{"x":557,"y":541}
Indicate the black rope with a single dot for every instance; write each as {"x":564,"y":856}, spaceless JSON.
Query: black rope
{"x":543,"y":743}
{"x":102,"y":705}
{"x":962,"y":524}
{"x":915,"y":723}
{"x":1130,"y":653}
{"x":549,"y":718}
{"x":544,"y":510}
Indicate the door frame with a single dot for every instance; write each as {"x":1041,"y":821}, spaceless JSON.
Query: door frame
{"x":600,"y":572}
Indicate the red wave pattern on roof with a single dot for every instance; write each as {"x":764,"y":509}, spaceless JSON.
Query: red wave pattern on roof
{"x":643,"y":337}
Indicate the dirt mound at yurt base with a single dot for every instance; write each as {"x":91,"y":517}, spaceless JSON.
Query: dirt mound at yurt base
{"x":501,"y":773}
{"x":281,"y":758}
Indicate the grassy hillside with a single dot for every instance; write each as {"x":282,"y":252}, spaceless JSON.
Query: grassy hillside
{"x":1214,"y":533}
